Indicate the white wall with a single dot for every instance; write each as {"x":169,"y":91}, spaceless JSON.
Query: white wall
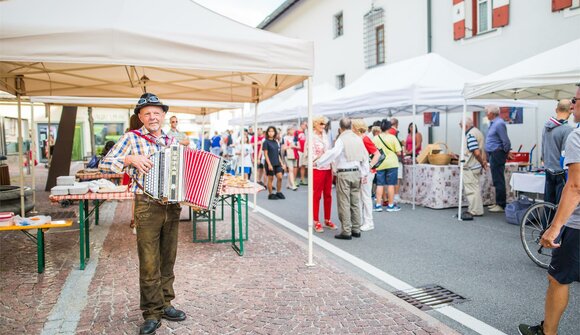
{"x":405,"y":33}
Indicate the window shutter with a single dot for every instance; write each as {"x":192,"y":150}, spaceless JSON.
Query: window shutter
{"x":501,"y":13}
{"x":558,"y":5}
{"x":458,"y":19}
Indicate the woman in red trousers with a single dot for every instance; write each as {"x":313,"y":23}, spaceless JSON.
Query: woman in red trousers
{"x":322,"y":175}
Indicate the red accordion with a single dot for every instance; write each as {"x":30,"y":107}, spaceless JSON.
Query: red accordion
{"x":191,"y":177}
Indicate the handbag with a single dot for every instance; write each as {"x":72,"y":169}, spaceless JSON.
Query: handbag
{"x":290,"y":153}
{"x":382,"y":157}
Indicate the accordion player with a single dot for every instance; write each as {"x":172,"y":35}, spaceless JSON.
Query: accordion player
{"x":180,"y":174}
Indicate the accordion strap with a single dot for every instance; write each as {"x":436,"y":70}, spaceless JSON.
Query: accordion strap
{"x":147,"y":138}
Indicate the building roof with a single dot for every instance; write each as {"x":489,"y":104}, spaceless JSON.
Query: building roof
{"x":286,"y":5}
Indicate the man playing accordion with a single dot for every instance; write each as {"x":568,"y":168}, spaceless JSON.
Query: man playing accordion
{"x":157,"y":223}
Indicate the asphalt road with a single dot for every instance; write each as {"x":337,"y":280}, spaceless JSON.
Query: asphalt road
{"x":482,"y":260}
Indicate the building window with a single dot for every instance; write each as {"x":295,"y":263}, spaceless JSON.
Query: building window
{"x":380,"y":47}
{"x":338,"y":25}
{"x":374,"y":37}
{"x":484,"y":16}
{"x":340,"y":81}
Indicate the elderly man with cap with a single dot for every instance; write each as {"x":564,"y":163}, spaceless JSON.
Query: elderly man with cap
{"x":157,"y":223}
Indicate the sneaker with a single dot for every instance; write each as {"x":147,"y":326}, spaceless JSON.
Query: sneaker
{"x":394,"y":208}
{"x":496,"y":209}
{"x":279,"y":195}
{"x":531,"y":330}
{"x":397,"y":198}
{"x":385,"y":204}
{"x":302,"y":182}
{"x":318,"y":227}
{"x":367,"y":227}
{"x":329,"y":225}
{"x":378,"y":208}
{"x":272,"y":197}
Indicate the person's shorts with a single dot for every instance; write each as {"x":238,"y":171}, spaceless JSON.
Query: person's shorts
{"x":387,"y":177}
{"x":276,"y":169}
{"x":302,"y":161}
{"x":247,"y":170}
{"x":565,"y":264}
{"x":290,"y":162}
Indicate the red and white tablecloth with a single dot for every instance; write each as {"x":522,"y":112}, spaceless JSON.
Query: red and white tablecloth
{"x":94,"y":196}
{"x":437,"y":186}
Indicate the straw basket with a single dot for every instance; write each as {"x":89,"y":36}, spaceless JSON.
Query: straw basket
{"x":436,"y":157}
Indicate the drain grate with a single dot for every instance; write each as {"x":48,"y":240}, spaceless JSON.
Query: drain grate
{"x":62,"y":215}
{"x":429,"y":297}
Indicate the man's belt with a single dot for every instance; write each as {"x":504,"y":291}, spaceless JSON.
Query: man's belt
{"x":347,"y":170}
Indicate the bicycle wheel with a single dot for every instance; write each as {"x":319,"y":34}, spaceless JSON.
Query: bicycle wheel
{"x":534,"y":223}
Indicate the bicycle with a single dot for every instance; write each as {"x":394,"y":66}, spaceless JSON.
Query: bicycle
{"x":534,"y":223}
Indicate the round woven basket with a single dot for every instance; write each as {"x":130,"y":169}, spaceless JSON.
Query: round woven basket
{"x":439,"y":158}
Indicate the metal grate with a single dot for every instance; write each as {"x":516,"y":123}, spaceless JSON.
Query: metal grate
{"x":429,"y":297}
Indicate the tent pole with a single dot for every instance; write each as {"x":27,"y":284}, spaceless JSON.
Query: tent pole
{"x":32,"y":157}
{"x":537,"y":138}
{"x":461,"y":160}
{"x":256,"y":136}
{"x":310,"y":174}
{"x":20,"y":156}
{"x":242,"y":142}
{"x":414,"y":152}
{"x":48,"y":133}
{"x":446,"y":124}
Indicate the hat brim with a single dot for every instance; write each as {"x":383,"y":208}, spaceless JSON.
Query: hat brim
{"x":164,"y":107}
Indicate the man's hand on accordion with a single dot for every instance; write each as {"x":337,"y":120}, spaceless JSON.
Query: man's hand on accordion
{"x":141,"y":162}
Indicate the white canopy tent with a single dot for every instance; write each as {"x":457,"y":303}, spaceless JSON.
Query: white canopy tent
{"x":294,"y":107}
{"x":122,"y":48}
{"x":412,"y":86}
{"x":553,"y":74}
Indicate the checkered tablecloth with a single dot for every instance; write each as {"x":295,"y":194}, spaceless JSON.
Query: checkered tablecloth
{"x":94,"y":196}
{"x":98,"y":175}
{"x":252,"y":189}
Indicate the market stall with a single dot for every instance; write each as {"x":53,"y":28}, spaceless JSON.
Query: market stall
{"x":552,"y":74}
{"x":195,"y":54}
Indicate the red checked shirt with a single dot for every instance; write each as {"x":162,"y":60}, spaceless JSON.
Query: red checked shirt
{"x":133,"y":144}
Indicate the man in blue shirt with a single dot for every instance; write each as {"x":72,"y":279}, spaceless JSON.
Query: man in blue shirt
{"x":497,"y":146}
{"x":216,"y":144}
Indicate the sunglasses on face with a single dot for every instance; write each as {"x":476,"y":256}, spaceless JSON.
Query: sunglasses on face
{"x":151,"y":99}
{"x":573,"y":100}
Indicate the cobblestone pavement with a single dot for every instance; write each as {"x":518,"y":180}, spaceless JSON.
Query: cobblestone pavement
{"x":267,"y":291}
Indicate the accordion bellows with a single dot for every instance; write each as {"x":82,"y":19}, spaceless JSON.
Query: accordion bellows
{"x":184,"y":175}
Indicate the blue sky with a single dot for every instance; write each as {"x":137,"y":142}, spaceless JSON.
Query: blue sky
{"x":250,"y":12}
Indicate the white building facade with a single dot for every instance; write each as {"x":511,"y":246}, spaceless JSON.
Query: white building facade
{"x":480,"y":35}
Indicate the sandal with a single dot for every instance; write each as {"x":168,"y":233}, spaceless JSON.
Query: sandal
{"x":318,"y":227}
{"x":329,"y":224}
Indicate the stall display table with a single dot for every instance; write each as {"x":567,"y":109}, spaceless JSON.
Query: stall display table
{"x":84,"y":215}
{"x":437,"y":185}
{"x":39,"y":238}
{"x":236,"y":198}
{"x":86,"y":176}
{"x":528,"y":182}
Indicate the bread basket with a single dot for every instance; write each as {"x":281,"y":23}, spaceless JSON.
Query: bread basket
{"x":437,"y":157}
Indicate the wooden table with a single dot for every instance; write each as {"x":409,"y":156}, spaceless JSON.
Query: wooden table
{"x":40,"y":229}
{"x":84,"y":215}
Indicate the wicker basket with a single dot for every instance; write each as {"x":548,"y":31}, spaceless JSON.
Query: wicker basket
{"x":436,"y":157}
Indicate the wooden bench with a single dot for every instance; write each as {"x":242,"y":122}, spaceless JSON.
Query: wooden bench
{"x":39,"y":237}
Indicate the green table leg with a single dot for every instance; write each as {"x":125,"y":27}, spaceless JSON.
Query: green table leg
{"x":246,"y":205}
{"x":87,"y":231}
{"x":40,"y":250}
{"x":194,"y":217}
{"x":240,"y":215}
{"x":82,"y":233}
{"x":97,"y":205}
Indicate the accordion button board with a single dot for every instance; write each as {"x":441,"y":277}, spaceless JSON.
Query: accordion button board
{"x":187,"y":176}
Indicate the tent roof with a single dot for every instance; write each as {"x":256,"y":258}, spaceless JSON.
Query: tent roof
{"x":424,"y":80}
{"x":548,"y":75}
{"x":175,"y":106}
{"x":293,"y":107}
{"x":121,"y":48}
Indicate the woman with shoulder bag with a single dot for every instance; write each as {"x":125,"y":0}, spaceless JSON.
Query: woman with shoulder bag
{"x":359,"y":127}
